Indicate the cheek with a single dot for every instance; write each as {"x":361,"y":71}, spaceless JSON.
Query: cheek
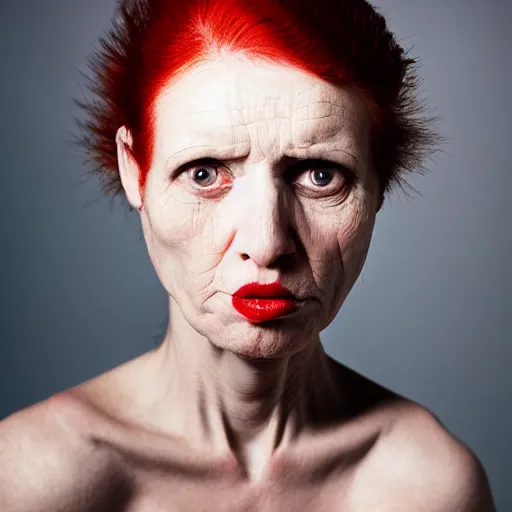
{"x":337,"y":250}
{"x":175,"y":221}
{"x":176,"y":238}
{"x":354,"y":240}
{"x":341,"y":239}
{"x":341,"y":234}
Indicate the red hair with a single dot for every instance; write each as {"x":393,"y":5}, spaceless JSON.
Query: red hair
{"x":345,"y":42}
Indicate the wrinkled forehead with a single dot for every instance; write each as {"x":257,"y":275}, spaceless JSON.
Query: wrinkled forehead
{"x":216,"y":101}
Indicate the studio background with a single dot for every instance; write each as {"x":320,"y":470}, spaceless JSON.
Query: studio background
{"x":430,"y":316}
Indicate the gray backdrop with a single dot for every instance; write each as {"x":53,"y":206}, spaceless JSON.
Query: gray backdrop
{"x":430,"y":315}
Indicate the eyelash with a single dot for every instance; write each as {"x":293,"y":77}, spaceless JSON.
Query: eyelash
{"x":297,"y":169}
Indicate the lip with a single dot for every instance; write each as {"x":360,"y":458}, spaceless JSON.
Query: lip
{"x":257,"y":291}
{"x":263,"y":302}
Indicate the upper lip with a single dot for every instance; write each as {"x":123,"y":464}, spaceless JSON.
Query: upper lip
{"x":276,"y":290}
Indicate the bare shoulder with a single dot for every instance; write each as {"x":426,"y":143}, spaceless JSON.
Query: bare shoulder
{"x":47,"y":464}
{"x":419,"y":465}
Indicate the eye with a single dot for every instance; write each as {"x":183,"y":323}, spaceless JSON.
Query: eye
{"x":207,"y":174}
{"x":320,"y":178}
{"x":204,"y":175}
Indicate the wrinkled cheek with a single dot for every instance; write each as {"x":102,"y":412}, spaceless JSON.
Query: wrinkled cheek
{"x":354,"y":245}
{"x":326,"y":266}
{"x":168,"y":241}
{"x":182,"y":252}
{"x":171,"y":223}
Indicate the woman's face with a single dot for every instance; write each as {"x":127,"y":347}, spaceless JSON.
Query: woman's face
{"x":260,"y":173}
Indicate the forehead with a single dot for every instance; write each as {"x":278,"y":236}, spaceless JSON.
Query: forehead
{"x":216,"y":102}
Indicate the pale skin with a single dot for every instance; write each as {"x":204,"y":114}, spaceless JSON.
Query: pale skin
{"x":228,"y":414}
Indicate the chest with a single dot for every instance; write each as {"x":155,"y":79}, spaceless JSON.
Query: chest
{"x":157,"y":494}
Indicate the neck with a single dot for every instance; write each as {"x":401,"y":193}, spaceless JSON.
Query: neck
{"x":235,"y":406}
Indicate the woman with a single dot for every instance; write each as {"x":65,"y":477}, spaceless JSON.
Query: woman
{"x":258,"y":141}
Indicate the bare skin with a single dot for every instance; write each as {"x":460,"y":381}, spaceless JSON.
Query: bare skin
{"x":83,"y":451}
{"x":229,"y":414}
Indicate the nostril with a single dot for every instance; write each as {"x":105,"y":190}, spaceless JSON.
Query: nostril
{"x":245,"y":257}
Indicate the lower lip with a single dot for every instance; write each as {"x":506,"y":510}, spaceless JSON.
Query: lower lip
{"x":263,"y":309}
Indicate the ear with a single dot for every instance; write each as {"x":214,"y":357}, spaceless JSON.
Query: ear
{"x":129,"y":170}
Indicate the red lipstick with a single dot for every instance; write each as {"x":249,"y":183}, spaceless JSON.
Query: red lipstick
{"x":262,"y":302}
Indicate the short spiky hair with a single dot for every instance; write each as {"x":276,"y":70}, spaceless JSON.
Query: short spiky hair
{"x":345,"y":42}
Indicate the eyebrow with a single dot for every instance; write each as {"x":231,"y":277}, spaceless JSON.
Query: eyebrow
{"x":184,"y":155}
{"x":320,"y":149}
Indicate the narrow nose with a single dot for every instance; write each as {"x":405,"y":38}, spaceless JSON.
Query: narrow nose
{"x":264,"y":228}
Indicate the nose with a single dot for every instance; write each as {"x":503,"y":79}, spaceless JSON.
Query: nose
{"x":264,"y":227}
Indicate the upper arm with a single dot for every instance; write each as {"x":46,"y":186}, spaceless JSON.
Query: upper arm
{"x":44,"y":465}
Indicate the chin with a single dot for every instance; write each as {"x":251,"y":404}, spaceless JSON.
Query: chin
{"x":267,"y":340}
